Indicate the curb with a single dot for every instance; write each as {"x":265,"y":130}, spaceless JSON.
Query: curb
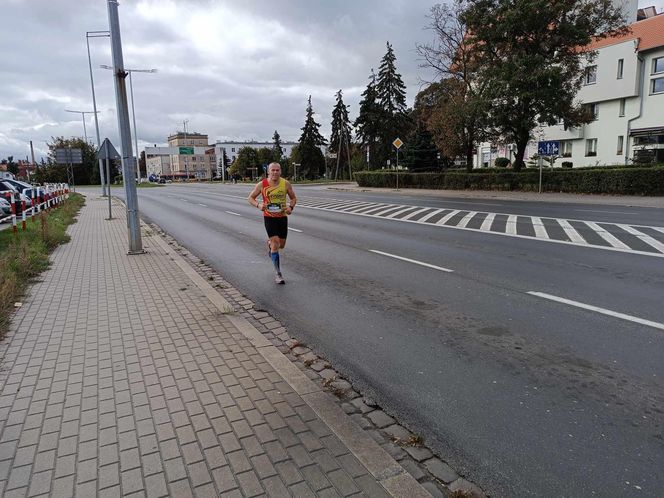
{"x":387,"y":471}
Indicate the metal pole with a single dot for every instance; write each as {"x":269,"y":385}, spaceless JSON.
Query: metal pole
{"x":108,"y":179}
{"x":397,"y":169}
{"x":94,"y":107}
{"x":131,"y":91}
{"x":133,"y":222}
{"x":540,"y":160}
{"x":186,"y":163}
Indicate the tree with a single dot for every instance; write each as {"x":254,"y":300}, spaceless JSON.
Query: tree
{"x":366,"y":124}
{"x":265,"y":157}
{"x":340,"y":137}
{"x":245,"y":163}
{"x":277,"y":150}
{"x":12,"y":167}
{"x":456,"y":112}
{"x":86,"y":173}
{"x":142,"y":166}
{"x":530,"y":57}
{"x":393,"y":118}
{"x":311,"y":157}
{"x":420,"y":153}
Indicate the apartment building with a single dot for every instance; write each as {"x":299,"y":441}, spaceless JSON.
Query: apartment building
{"x":624,"y":91}
{"x":188,"y":156}
{"x":232,"y":148}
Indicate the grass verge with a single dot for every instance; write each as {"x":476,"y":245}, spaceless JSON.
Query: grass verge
{"x":24,"y":255}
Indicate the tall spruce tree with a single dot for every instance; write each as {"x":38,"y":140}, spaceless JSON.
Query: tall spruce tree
{"x":393,"y":117}
{"x":340,"y":137}
{"x":277,"y":149}
{"x":367,"y":122}
{"x":311,"y":157}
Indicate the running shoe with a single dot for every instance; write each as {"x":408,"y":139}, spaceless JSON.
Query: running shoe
{"x":279,"y":279}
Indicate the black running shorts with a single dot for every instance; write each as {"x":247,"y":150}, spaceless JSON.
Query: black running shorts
{"x":276,"y":226}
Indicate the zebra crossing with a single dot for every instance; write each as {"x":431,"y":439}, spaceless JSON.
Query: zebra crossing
{"x":633,"y":238}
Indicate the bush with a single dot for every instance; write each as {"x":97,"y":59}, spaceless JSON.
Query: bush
{"x":625,"y":181}
{"x":501,"y":162}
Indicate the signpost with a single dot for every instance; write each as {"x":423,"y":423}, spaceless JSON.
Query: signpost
{"x":69,"y":157}
{"x":397,"y":144}
{"x":107,"y":152}
{"x":546,"y":148}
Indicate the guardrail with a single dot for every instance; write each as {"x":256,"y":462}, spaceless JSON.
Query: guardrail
{"x":53,"y":195}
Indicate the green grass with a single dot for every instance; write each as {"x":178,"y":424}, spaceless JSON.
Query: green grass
{"x":24,"y":255}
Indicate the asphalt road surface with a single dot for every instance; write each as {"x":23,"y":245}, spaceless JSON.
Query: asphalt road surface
{"x":523,"y":340}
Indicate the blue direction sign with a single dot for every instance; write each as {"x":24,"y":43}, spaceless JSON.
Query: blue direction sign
{"x":548,"y":148}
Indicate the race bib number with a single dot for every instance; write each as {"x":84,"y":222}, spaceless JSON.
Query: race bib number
{"x":274,"y":208}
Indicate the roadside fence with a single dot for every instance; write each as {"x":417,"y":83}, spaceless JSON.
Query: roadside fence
{"x":48,"y":196}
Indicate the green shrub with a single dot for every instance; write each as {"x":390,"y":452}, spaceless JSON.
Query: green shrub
{"x":629,"y":180}
{"x":501,"y":162}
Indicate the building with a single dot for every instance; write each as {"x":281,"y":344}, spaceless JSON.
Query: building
{"x":624,"y":91}
{"x":232,"y":148}
{"x":187,"y":156}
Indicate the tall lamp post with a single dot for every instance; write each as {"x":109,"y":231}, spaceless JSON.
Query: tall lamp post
{"x":83,"y":113}
{"x":133,"y":113}
{"x":88,"y":35}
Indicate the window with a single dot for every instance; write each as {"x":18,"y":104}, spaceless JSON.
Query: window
{"x":566,"y":148}
{"x":658,"y":65}
{"x":593,"y":110}
{"x":658,"y":85}
{"x":233,"y":150}
{"x":591,"y":147}
{"x":621,"y":65}
{"x":621,"y":111}
{"x":591,"y":75}
{"x":621,"y":141}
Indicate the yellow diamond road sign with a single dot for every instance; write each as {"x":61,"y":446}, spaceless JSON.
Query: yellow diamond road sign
{"x":397,"y":143}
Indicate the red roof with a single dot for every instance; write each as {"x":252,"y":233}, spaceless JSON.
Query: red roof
{"x":650,"y":33}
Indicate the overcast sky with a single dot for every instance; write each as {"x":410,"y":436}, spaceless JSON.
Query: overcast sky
{"x":237,"y":70}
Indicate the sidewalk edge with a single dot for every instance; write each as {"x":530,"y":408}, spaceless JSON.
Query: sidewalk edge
{"x":387,"y":471}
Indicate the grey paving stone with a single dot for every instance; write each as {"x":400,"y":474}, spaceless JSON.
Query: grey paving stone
{"x":380,"y":419}
{"x":418,"y":453}
{"x":249,"y":484}
{"x":224,"y":480}
{"x":441,"y":470}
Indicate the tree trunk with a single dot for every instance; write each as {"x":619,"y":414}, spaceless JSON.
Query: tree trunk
{"x":521,"y":144}
{"x":470,"y":149}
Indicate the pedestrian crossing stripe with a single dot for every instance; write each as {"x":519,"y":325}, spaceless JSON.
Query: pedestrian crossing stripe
{"x":631,"y":238}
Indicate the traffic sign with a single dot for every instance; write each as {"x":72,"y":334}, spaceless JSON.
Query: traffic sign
{"x":69,"y":156}
{"x":548,"y":148}
{"x":187,"y":151}
{"x":397,"y":143}
{"x":107,"y":151}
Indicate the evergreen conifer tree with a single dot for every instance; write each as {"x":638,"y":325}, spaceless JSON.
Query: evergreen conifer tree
{"x":340,"y":137}
{"x":367,"y":122}
{"x":277,"y":150}
{"x":393,"y":119}
{"x":311,"y":157}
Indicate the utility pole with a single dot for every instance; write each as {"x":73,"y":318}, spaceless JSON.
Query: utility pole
{"x":133,"y":222}
{"x":83,"y":113}
{"x":186,"y":163}
{"x":88,"y":35}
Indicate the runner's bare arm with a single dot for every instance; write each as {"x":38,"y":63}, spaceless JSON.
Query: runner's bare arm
{"x":291,"y":197}
{"x":253,"y":196}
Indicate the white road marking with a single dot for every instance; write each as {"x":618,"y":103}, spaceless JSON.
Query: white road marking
{"x":540,"y":231}
{"x":447,"y":217}
{"x":400,"y":211}
{"x":295,"y":230}
{"x":645,"y":238}
{"x":510,"y":226}
{"x":464,"y":221}
{"x":411,"y":260}
{"x":184,"y":200}
{"x":415,"y":213}
{"x":604,"y":311}
{"x":610,"y":238}
{"x":204,"y":205}
{"x":234,"y":214}
{"x":571,"y":232}
{"x":430,"y":215}
{"x":383,"y":211}
{"x":488,"y":221}
{"x":607,"y":212}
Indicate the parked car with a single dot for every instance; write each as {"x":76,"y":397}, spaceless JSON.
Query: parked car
{"x":5,"y":207}
{"x":9,"y":185}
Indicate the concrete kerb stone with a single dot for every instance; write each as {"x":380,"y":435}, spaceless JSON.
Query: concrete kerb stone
{"x":387,"y":471}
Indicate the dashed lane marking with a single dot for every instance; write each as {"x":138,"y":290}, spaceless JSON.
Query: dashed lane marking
{"x":414,"y":261}
{"x":597,"y":309}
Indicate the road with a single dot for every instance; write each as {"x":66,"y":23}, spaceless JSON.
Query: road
{"x":525,"y":347}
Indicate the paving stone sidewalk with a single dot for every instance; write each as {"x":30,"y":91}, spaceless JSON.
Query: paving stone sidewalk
{"x":121,"y":376}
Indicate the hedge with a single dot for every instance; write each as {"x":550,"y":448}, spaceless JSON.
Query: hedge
{"x":625,"y":181}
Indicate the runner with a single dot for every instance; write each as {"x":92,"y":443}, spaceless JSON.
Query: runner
{"x":274,"y":190}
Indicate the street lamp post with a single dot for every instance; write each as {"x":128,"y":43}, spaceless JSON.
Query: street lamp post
{"x":83,"y":113}
{"x":88,"y":35}
{"x":133,"y":113}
